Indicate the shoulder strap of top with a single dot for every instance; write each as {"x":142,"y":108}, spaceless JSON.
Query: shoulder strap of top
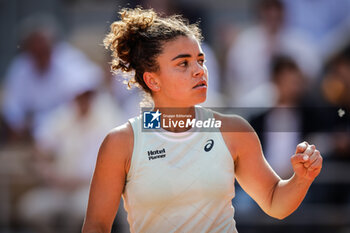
{"x":136,"y":127}
{"x":204,"y":113}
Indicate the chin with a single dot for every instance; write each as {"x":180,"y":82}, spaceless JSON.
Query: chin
{"x":201,"y":100}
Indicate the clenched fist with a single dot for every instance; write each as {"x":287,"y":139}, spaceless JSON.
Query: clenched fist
{"x":307,"y":161}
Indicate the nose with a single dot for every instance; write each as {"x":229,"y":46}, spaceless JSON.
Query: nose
{"x":198,"y":70}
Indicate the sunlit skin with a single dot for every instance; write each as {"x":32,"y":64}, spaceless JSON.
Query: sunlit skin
{"x":181,"y":81}
{"x":181,"y":69}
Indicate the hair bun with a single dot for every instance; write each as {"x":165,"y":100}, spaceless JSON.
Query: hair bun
{"x":136,"y":19}
{"x":125,"y":32}
{"x":137,"y":39}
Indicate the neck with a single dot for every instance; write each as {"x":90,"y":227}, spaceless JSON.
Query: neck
{"x":172,"y":116}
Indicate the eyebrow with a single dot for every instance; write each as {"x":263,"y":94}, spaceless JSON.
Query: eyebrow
{"x":186,"y":55}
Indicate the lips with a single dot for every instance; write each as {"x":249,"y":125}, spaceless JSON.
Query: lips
{"x":201,"y":83}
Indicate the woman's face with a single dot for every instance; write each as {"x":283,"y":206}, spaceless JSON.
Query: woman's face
{"x":182,"y":77}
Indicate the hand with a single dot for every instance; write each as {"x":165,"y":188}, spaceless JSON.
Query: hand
{"x":307,"y":161}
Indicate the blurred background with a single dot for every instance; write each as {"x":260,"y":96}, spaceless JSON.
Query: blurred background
{"x":286,"y":62}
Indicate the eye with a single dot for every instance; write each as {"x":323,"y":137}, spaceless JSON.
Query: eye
{"x":183,"y":64}
{"x":201,"y":61}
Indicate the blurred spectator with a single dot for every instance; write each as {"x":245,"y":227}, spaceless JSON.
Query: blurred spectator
{"x":334,"y":121}
{"x":249,"y":57}
{"x":291,"y":122}
{"x":336,"y":91}
{"x":328,"y":26}
{"x":45,"y":74}
{"x":279,"y":128}
{"x":336,"y":83}
{"x":67,"y":143}
{"x":285,"y":122}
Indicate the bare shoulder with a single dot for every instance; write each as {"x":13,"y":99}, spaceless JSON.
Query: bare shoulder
{"x":118,"y":145}
{"x":238,"y":134}
{"x":109,"y":178}
{"x":121,"y":134}
{"x":233,"y":123}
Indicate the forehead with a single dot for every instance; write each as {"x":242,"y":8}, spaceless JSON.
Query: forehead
{"x":181,"y":45}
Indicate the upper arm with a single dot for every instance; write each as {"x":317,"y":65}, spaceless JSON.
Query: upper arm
{"x":252,"y":171}
{"x":108,"y":181}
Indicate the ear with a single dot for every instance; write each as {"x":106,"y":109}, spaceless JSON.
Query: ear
{"x":151,"y":81}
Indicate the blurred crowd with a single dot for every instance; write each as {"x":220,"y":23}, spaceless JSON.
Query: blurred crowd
{"x":288,"y":67}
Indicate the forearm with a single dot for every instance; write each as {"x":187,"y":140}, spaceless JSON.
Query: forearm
{"x":287,"y":196}
{"x":94,"y":228}
{"x":92,"y":231}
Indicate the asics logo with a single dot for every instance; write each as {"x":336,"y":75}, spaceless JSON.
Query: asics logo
{"x":209,"y":145}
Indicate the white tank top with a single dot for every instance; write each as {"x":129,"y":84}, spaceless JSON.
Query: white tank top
{"x":180,"y":182}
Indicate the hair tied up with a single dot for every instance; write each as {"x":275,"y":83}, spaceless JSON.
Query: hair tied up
{"x":137,"y":39}
{"x":124,"y":32}
{"x":137,"y":19}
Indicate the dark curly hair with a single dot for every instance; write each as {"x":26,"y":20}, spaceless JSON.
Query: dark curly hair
{"x":138,"y":38}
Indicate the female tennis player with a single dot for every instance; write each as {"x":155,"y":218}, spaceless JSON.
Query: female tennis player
{"x":177,"y":179}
